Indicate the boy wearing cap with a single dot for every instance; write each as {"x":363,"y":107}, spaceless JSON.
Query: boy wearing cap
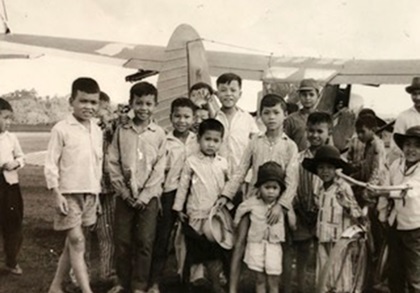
{"x":337,"y":209}
{"x":404,"y":215}
{"x":295,"y":124}
{"x":408,"y":118}
{"x":263,"y":253}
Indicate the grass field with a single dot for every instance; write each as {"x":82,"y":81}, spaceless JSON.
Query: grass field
{"x":42,"y":246}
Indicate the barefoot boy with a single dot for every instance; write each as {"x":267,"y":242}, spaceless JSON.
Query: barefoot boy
{"x":73,"y":170}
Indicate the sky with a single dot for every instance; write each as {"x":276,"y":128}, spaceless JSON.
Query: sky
{"x":374,"y":29}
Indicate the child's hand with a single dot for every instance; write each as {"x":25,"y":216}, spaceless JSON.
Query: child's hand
{"x":61,"y":203}
{"x":182,"y":217}
{"x":274,"y":214}
{"x":11,"y":165}
{"x":221,"y":202}
{"x":291,"y":217}
{"x":139,"y":205}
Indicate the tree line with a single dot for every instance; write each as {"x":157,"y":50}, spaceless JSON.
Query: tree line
{"x":31,"y":109}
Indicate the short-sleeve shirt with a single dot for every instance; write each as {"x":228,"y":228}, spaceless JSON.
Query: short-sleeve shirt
{"x":237,"y":136}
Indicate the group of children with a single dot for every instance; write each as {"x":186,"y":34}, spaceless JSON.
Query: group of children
{"x":136,"y":181}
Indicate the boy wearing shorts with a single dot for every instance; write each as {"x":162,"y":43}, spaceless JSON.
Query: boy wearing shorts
{"x":73,"y":170}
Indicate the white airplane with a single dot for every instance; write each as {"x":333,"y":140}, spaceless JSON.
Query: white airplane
{"x":184,"y":61}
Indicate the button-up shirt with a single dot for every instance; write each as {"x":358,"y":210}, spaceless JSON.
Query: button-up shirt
{"x":337,"y":208}
{"x":10,"y":150}
{"x":304,"y":202}
{"x":137,"y":161}
{"x":73,"y":162}
{"x":176,"y":154}
{"x":295,"y":128}
{"x":259,"y":151}
{"x":406,"y":212}
{"x":201,"y":183}
{"x":237,"y":136}
{"x":259,"y":229}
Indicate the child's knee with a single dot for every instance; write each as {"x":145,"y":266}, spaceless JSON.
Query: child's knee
{"x":77,"y":242}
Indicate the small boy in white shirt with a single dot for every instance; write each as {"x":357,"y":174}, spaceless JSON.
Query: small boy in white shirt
{"x":263,"y":253}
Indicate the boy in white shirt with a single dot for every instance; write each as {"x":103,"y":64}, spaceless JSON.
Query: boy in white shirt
{"x":73,"y":170}
{"x":11,"y":202}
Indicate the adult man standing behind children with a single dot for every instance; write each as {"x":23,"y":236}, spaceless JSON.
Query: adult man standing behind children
{"x":295,"y":124}
{"x":407,"y":118}
{"x":239,"y":124}
{"x":73,"y":170}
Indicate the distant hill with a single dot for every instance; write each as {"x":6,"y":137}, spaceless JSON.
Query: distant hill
{"x":31,"y":109}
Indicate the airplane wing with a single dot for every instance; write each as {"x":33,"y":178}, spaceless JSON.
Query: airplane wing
{"x":126,"y":55}
{"x":249,"y":66}
{"x":331,"y":71}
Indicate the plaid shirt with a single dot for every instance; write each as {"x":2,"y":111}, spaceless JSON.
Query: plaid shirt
{"x":337,"y":208}
{"x":259,"y":151}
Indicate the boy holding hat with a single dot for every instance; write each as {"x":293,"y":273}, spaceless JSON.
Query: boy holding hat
{"x":404,"y":216}
{"x":295,"y":124}
{"x":337,"y":208}
{"x":263,"y":253}
{"x":409,"y":117}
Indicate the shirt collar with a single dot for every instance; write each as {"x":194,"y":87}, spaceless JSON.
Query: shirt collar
{"x":171,"y":136}
{"x":238,"y":110}
{"x":410,"y":170}
{"x":73,"y":121}
{"x":283,"y":136}
{"x":152,"y":126}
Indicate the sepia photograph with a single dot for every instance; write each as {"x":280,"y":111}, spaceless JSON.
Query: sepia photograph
{"x":209,"y":146}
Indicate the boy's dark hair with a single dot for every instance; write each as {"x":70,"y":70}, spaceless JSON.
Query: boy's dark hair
{"x":210,"y":124}
{"x":320,"y":117}
{"x":84,"y":84}
{"x":143,"y":89}
{"x":183,"y":102}
{"x":228,"y":78}
{"x":5,"y":105}
{"x":103,"y":97}
{"x":367,"y":121}
{"x":201,"y":85}
{"x":271,"y":100}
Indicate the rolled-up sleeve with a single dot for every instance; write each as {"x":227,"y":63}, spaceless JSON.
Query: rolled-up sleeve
{"x":153,"y":186}
{"x":18,"y":153}
{"x":115,"y":168}
{"x":183,"y":187}
{"x":239,"y":174}
{"x":52,"y":159}
{"x":292,"y":178}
